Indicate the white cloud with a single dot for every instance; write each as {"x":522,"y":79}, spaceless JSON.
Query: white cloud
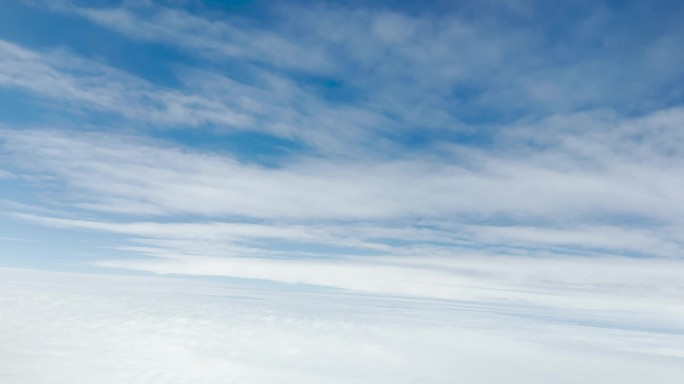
{"x":111,"y":329}
{"x":379,"y":236}
{"x":630,"y":292}
{"x":470,"y":267}
{"x":573,"y":177}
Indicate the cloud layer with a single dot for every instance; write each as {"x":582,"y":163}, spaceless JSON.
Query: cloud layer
{"x":144,"y":330}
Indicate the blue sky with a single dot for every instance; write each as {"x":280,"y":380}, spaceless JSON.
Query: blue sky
{"x":523,"y":156}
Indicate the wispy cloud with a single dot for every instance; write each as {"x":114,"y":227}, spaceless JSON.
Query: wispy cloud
{"x":425,"y":61}
{"x":574,"y":176}
{"x":72,"y":79}
{"x":7,"y":175}
{"x":393,"y":73}
{"x":274,"y":104}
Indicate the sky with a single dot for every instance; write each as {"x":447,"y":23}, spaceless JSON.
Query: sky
{"x":341,"y":191}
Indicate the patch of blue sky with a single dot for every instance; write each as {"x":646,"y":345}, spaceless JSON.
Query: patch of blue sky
{"x":22,"y":188}
{"x":19,"y":107}
{"x":332,"y":90}
{"x":246,"y":146}
{"x":249,"y":11}
{"x":424,"y":138}
{"x":44,"y":30}
{"x":24,"y":109}
{"x":28,"y":245}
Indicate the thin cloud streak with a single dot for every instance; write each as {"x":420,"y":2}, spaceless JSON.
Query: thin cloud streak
{"x":393,"y":238}
{"x":585,"y":284}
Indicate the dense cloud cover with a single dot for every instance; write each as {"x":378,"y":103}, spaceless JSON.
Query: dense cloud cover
{"x":109,"y":329}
